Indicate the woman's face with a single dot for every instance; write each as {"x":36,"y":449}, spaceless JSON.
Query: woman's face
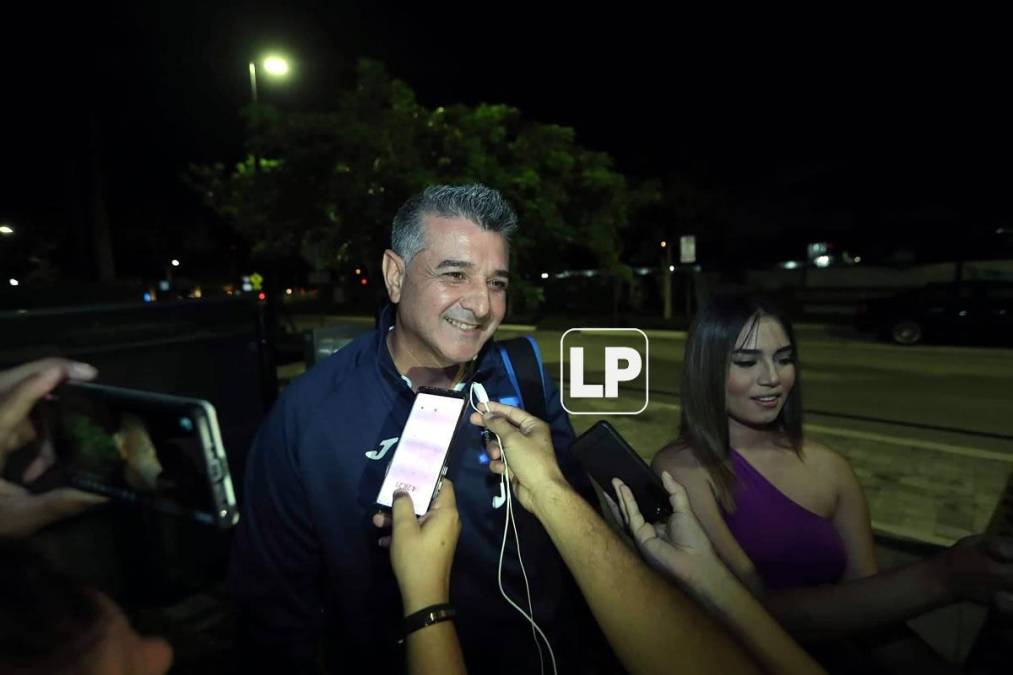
{"x":761,"y":373}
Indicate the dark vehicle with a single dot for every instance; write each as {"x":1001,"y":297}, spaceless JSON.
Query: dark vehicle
{"x":979,"y":312}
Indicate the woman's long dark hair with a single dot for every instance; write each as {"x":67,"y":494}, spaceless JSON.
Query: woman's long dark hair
{"x":703,"y":425}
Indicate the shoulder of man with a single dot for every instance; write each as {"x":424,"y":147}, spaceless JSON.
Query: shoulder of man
{"x":353,"y":363}
{"x":340,"y":378}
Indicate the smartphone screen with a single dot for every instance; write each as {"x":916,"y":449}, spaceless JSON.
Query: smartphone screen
{"x":422,"y":450}
{"x":153,"y":450}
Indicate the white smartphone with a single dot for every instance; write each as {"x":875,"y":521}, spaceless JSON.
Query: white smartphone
{"x":423,"y":450}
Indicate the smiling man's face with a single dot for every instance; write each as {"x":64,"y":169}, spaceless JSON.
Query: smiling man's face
{"x":452,"y":295}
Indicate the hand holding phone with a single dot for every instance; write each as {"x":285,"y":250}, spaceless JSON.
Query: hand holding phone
{"x":153,"y":450}
{"x":678,"y":547}
{"x":422,"y":550}
{"x":21,"y":511}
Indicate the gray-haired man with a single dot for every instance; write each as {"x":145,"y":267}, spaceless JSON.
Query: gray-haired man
{"x":306,"y":564}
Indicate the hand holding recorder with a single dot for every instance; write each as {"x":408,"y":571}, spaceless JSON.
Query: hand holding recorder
{"x":527,"y":442}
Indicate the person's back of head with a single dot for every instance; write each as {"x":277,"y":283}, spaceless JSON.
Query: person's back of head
{"x":48,"y":623}
{"x":51,"y":624}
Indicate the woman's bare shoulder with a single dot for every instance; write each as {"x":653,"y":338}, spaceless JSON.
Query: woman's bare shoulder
{"x":678,"y":459}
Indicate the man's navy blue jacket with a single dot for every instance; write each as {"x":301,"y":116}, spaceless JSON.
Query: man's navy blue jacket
{"x":306,"y":567}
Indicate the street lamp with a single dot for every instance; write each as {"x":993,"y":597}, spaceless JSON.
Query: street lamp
{"x":6,"y":230}
{"x":666,"y":280}
{"x":168,"y":271}
{"x":274,"y":65}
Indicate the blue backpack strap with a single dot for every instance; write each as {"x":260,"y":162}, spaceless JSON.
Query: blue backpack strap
{"x":523,"y":363}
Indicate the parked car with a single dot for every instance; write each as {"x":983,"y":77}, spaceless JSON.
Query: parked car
{"x":979,"y":312}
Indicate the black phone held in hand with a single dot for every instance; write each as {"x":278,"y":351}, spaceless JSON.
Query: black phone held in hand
{"x":145,"y":448}
{"x":605,"y":455}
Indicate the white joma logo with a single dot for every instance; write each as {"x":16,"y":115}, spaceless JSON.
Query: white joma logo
{"x":385,"y":446}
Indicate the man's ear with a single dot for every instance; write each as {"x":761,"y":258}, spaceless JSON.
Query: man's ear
{"x":393,"y":274}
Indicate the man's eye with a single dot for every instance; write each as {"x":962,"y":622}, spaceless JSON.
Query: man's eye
{"x":745,"y":364}
{"x":456,"y":276}
{"x":498,"y":285}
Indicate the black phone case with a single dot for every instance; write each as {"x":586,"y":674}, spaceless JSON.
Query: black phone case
{"x":225,"y":512}
{"x":605,"y":455}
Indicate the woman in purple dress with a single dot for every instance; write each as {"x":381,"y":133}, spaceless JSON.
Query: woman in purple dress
{"x":787,"y":514}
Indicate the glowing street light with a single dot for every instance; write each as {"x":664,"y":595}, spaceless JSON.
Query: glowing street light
{"x":6,"y":230}
{"x":274,"y":65}
{"x":168,"y":273}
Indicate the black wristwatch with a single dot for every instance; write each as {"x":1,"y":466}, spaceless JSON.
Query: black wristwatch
{"x":426,"y":616}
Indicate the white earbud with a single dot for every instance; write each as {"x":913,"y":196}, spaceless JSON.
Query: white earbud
{"x":480,"y":393}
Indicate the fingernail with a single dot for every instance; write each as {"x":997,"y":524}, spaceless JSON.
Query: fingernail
{"x":82,"y":370}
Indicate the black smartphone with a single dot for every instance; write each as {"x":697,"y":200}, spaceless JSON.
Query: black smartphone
{"x":605,"y":455}
{"x":423,"y":450}
{"x":155,"y":450}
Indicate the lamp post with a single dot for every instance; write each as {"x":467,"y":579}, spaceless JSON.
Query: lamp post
{"x":274,"y":65}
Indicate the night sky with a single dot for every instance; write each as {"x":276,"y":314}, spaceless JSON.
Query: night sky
{"x":858,"y":129}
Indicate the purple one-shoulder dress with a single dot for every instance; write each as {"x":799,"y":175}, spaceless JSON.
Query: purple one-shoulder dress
{"x":790,"y":545}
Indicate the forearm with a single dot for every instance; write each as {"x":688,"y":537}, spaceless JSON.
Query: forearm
{"x":765,"y":639}
{"x":16,"y":521}
{"x":648,"y":622}
{"x":23,"y":514}
{"x":435,"y":650}
{"x":860,"y":605}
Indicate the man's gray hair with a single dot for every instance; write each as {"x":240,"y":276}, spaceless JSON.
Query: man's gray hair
{"x":481,"y":205}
